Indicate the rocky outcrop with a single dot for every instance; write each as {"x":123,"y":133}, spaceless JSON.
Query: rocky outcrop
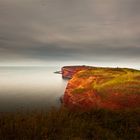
{"x":102,"y":88}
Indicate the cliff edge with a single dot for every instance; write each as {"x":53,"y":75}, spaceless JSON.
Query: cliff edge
{"x":69,"y":71}
{"x":111,"y":88}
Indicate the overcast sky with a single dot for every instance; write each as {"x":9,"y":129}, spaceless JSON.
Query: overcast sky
{"x":52,"y":32}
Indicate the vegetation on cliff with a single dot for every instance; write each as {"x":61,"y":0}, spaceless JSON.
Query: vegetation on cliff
{"x":69,"y":71}
{"x":112,"y":88}
{"x":62,"y":124}
{"x":116,"y":79}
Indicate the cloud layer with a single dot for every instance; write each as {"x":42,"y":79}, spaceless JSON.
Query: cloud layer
{"x":43,"y":31}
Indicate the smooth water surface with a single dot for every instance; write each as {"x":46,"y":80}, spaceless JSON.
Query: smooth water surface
{"x":30,"y":88}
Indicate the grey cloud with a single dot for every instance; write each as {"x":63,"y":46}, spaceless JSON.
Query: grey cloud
{"x":69,"y":30}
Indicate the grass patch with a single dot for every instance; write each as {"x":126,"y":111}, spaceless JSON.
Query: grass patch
{"x":63,"y":124}
{"x":123,"y":79}
{"x":78,"y":90}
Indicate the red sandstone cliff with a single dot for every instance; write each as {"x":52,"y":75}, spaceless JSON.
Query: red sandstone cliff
{"x":102,"y":88}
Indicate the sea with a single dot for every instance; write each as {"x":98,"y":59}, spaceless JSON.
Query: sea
{"x":30,"y":88}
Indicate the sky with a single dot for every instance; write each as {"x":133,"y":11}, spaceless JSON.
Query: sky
{"x":69,"y":32}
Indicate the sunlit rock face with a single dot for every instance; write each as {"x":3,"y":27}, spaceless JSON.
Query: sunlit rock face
{"x":111,"y":88}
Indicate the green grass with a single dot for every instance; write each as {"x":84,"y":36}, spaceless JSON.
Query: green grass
{"x":63,"y":124}
{"x":78,"y":90}
{"x":115,"y":78}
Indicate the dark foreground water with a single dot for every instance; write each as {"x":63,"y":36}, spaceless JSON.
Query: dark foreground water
{"x":25,"y":88}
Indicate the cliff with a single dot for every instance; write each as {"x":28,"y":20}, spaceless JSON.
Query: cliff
{"x":69,"y":71}
{"x":111,"y":88}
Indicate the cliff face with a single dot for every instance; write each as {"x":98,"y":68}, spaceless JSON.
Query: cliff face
{"x":69,"y":71}
{"x":103,"y":88}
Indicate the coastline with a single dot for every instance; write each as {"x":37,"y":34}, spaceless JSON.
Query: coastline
{"x":80,"y":93}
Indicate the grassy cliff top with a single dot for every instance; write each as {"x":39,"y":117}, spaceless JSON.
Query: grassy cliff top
{"x":111,"y":88}
{"x":112,"y":79}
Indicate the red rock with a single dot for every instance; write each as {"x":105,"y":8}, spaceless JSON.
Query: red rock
{"x":81,"y":92}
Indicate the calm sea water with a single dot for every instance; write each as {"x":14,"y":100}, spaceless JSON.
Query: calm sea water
{"x":25,"y":88}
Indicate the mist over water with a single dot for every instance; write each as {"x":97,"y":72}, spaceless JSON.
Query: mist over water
{"x":30,"y":88}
